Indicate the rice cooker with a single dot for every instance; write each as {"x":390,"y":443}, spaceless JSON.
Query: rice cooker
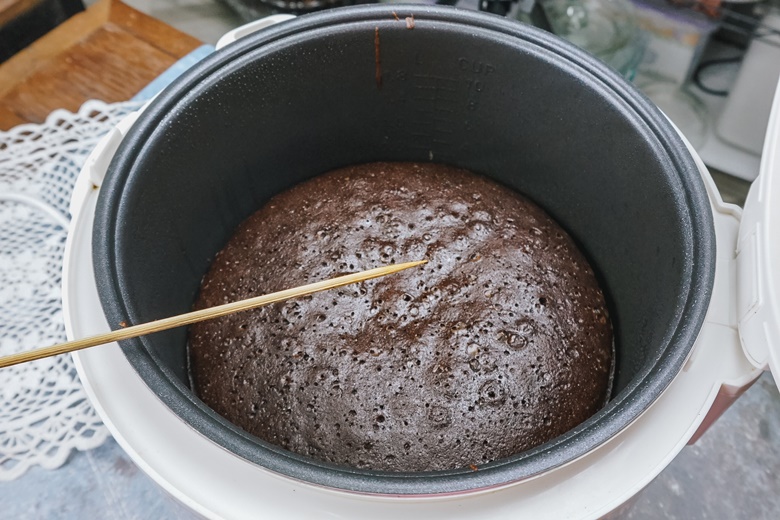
{"x":207,"y":471}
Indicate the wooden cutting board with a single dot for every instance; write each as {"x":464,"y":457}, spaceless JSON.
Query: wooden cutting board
{"x":108,"y":52}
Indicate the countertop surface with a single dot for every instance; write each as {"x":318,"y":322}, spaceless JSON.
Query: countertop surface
{"x":730,"y":473}
{"x":108,"y":52}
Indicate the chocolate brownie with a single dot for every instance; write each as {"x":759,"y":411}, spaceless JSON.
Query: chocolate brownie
{"x":501,"y":342}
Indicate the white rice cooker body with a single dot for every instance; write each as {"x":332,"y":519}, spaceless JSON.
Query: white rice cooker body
{"x":218,"y":484}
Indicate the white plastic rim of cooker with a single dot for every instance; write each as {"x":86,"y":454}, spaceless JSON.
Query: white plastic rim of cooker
{"x":218,"y":484}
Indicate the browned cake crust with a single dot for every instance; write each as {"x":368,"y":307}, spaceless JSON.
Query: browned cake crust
{"x":500,"y":343}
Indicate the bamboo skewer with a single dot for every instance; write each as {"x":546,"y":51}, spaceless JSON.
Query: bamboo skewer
{"x":202,"y":315}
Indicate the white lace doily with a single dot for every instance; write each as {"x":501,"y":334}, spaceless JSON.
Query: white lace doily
{"x":44,"y":413}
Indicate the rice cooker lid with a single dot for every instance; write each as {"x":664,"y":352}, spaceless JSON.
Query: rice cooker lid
{"x":758,"y":258}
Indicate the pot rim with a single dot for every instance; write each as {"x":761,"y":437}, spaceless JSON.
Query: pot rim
{"x":621,"y":411}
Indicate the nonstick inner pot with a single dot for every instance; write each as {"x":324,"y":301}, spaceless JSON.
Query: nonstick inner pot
{"x":462,"y":88}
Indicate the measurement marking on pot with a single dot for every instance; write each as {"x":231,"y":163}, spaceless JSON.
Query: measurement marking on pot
{"x":438,"y":80}
{"x":476,"y":67}
{"x":436,"y":98}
